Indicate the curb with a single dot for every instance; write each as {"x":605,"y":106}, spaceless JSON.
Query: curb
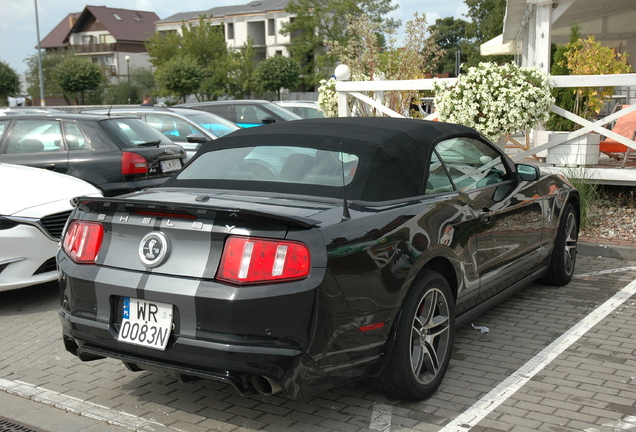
{"x":71,"y":406}
{"x":607,"y":250}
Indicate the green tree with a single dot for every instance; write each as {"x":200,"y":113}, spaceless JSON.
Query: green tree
{"x":318,"y":21}
{"x":164,"y":46}
{"x":142,"y":82}
{"x":369,"y":59}
{"x":449,"y":34}
{"x":486,"y":22}
{"x":9,"y":82}
{"x":78,"y":75}
{"x":277,"y":72}
{"x":241,"y":79}
{"x":180,"y":76}
{"x":51,"y":60}
{"x":203,"y":43}
{"x":590,"y":57}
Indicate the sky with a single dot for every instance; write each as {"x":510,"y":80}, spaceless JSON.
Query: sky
{"x":18,"y":31}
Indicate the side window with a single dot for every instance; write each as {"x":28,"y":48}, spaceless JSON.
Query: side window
{"x":261,"y":114}
{"x":75,"y":139}
{"x":36,"y":136}
{"x":247,"y":114}
{"x":225,"y":111}
{"x":438,"y":181}
{"x":471,"y":163}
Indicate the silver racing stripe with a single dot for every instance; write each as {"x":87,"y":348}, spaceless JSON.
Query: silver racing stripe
{"x":175,"y":291}
{"x":112,"y":282}
{"x":180,"y":293}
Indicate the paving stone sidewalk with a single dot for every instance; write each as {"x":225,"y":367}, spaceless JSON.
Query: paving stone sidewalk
{"x":590,"y":386}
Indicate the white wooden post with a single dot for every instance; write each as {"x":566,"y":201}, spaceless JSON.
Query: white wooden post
{"x":543,"y":35}
{"x":342,"y":73}
{"x":343,"y":106}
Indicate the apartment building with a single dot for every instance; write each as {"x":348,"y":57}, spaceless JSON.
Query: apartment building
{"x":261,"y":20}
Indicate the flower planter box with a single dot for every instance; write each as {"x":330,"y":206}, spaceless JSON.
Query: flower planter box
{"x":582,"y":151}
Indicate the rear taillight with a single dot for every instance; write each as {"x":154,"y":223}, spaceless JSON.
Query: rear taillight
{"x":247,"y":260}
{"x":83,"y":240}
{"x":133,"y":163}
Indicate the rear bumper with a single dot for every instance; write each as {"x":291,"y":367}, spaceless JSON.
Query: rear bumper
{"x":187,"y":358}
{"x":240,"y":336}
{"x":241,"y":366}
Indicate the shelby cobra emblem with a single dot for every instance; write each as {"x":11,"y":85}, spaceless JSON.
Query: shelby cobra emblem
{"x":154,"y":249}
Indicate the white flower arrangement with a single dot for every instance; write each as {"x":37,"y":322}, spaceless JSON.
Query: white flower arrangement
{"x":496,"y":100}
{"x":328,"y":97}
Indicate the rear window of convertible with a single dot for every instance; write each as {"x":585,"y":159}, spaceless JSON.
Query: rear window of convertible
{"x":278,"y":164}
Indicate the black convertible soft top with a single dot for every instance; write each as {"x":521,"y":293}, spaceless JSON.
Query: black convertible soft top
{"x":398,"y":151}
{"x":375,"y":130}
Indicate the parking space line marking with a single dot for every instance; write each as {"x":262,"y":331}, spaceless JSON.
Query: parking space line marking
{"x":487,"y":404}
{"x":79,"y":407}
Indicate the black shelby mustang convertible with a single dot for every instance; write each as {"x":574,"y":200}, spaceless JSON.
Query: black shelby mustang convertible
{"x":301,"y":255}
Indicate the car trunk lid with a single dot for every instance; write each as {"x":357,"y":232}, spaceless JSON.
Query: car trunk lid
{"x":193,"y":229}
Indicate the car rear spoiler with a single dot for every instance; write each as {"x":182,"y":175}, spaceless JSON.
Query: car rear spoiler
{"x":132,"y":206}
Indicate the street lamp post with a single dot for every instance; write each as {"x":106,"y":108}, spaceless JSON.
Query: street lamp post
{"x":40,"y":74}
{"x":127,"y":58}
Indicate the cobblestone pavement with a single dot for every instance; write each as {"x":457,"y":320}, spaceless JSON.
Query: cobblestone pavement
{"x":554,"y":359}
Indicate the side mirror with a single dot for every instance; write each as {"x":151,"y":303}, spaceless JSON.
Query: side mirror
{"x":197,"y":138}
{"x":527,"y":172}
{"x":268,"y":120}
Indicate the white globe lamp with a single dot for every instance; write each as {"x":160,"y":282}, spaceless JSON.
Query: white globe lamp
{"x":342,"y":72}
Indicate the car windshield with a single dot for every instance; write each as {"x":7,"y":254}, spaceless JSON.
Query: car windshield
{"x":131,"y":132}
{"x":280,"y":164}
{"x":215,"y":124}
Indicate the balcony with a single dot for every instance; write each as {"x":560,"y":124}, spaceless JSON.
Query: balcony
{"x":94,"y":48}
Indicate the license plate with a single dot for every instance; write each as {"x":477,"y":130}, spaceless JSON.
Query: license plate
{"x":145,"y":323}
{"x":171,"y":165}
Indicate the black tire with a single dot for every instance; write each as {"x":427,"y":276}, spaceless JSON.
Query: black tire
{"x":563,"y":257}
{"x":423,"y":342}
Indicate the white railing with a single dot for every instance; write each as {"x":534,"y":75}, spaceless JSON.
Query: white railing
{"x":360,"y":90}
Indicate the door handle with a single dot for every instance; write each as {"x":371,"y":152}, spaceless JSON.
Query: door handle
{"x":49,"y":166}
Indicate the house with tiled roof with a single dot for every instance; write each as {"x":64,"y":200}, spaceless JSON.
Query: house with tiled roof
{"x":261,"y":20}
{"x":112,"y":38}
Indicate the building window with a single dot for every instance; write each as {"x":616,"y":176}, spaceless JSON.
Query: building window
{"x":271,"y":27}
{"x":230,"y":30}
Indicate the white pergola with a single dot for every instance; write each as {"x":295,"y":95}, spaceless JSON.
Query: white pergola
{"x":532,"y":25}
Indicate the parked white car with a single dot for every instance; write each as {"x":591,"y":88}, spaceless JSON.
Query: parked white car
{"x":34,"y":206}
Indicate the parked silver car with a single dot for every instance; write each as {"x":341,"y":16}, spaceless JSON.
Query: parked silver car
{"x":187,"y":127}
{"x":245,"y":112}
{"x":302,"y":108}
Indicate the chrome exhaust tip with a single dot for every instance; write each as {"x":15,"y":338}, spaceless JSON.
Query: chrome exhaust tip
{"x":265,"y":386}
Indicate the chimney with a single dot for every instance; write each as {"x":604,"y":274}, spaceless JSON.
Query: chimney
{"x":72,"y":20}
